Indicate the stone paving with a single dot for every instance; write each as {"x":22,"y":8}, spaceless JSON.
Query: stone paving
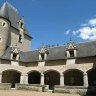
{"x":30,"y":93}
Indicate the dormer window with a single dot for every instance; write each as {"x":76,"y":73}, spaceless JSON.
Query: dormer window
{"x":43,"y":52}
{"x":71,"y":50}
{"x":15,"y":53}
{"x":21,"y":25}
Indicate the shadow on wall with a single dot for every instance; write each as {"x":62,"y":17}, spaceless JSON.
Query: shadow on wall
{"x":91,"y":91}
{"x":92,"y":81}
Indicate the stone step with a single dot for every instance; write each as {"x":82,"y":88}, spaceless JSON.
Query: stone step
{"x":12,"y":88}
{"x":50,"y":91}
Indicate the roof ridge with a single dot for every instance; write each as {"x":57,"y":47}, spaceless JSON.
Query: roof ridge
{"x":65,"y":45}
{"x":86,"y":42}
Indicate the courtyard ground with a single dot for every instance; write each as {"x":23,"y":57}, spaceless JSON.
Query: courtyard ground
{"x":30,"y":93}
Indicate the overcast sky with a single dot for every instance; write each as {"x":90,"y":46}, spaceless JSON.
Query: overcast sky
{"x":53,"y":22}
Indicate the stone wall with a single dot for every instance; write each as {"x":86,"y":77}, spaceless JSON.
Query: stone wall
{"x":75,"y":90}
{"x":4,"y":32}
{"x":5,"y":86}
{"x":25,"y":45}
{"x":60,"y":68}
{"x":32,"y":87}
{"x":14,"y":36}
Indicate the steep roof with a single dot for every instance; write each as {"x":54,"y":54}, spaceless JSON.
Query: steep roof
{"x":9,"y":12}
{"x":86,"y":49}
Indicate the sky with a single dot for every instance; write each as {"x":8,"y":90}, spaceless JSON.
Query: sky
{"x":53,"y":22}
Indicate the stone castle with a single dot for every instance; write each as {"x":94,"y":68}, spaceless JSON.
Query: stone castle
{"x":69,"y":68}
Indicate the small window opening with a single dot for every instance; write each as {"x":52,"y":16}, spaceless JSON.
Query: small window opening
{"x":20,"y":38}
{"x":3,"y":24}
{"x":42,"y":56}
{"x":71,"y":53}
{"x":14,"y":56}
{"x":21,"y":25}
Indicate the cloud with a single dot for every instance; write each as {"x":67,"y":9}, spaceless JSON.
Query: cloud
{"x":87,"y":31}
{"x":92,"y":22}
{"x":67,"y":32}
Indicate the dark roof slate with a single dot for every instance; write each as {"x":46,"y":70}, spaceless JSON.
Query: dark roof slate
{"x":86,"y":49}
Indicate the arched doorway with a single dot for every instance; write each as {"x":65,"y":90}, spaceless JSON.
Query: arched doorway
{"x":73,"y":77}
{"x":92,"y":77}
{"x":34,"y":77}
{"x":52,"y":78}
{"x":11,"y":76}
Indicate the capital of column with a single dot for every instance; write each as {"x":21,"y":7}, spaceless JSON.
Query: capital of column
{"x":61,"y":74}
{"x":24,"y":74}
{"x":85,"y":74}
{"x":42,"y":74}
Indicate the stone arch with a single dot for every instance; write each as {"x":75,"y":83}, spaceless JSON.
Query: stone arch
{"x":12,"y":70}
{"x":51,"y":70}
{"x":34,"y":77}
{"x":51,"y":78}
{"x":73,"y":69}
{"x":33,"y":71}
{"x":11,"y":76}
{"x":73,"y":77}
{"x":91,"y":77}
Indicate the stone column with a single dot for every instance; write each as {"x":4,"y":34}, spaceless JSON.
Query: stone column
{"x":85,"y":78}
{"x":61,"y":79}
{"x":0,"y":77}
{"x":42,"y":79}
{"x":24,"y":79}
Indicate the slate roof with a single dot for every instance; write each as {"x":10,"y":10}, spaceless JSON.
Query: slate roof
{"x":9,"y":12}
{"x":86,"y":49}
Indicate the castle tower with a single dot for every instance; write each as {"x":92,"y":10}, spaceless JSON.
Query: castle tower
{"x":4,"y":28}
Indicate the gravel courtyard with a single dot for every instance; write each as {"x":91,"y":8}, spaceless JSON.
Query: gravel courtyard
{"x":29,"y":93}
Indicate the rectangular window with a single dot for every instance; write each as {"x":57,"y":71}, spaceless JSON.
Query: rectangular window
{"x":71,"y":53}
{"x":20,"y":38}
{"x":14,"y":56}
{"x":42,"y":56}
{"x":21,"y":25}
